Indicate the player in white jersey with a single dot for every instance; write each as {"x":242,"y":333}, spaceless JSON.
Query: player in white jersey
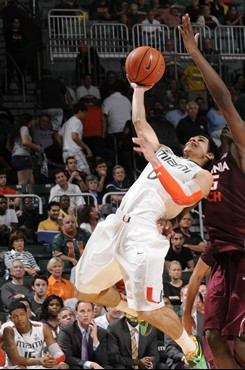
{"x":128,"y":245}
{"x":25,"y":341}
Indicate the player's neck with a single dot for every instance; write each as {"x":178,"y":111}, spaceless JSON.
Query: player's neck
{"x":26,"y":329}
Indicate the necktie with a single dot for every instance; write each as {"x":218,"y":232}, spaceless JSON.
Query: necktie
{"x":84,"y":349}
{"x":134,"y":346}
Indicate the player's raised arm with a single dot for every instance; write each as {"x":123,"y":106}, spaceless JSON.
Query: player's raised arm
{"x":215,"y":85}
{"x":139,"y":116}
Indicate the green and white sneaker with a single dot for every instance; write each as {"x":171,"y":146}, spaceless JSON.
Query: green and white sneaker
{"x":197,"y":360}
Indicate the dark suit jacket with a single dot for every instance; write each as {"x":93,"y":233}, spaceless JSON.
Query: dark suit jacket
{"x":119,"y":345}
{"x":70,"y":340}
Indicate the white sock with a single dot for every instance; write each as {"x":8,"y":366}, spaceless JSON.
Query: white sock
{"x":186,"y":343}
{"x":123,"y":306}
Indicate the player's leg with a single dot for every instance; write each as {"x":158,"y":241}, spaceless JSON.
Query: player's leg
{"x":221,"y":352}
{"x":240,"y":350}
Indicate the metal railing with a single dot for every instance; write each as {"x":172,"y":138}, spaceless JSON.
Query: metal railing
{"x":65,"y":33}
{"x":148,"y":35}
{"x":40,"y":202}
{"x":110,"y":39}
{"x":84,"y":195}
{"x":204,"y":31}
{"x":230,"y":41}
{"x":9,"y":56}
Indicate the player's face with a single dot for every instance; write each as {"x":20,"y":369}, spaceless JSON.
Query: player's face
{"x":20,"y":318}
{"x":85,"y":313}
{"x":197,"y":146}
{"x":226,"y":134}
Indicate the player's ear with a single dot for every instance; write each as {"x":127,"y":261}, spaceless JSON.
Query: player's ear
{"x":209,"y":156}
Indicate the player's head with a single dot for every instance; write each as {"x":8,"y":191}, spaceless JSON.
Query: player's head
{"x":201,"y":149}
{"x":226,"y":135}
{"x":19,"y":315}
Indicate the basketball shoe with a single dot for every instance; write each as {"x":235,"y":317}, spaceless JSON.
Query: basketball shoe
{"x":196,"y":360}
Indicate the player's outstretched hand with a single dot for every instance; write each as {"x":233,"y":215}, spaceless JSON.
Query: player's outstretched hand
{"x":190,"y":41}
{"x":144,"y":147}
{"x":136,"y":86}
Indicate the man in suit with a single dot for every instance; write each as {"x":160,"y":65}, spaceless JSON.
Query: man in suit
{"x":83,"y":343}
{"x":128,"y":348}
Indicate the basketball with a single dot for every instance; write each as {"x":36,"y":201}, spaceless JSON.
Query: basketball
{"x":145,"y":65}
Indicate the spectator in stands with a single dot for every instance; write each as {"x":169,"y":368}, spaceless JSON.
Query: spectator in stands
{"x":74,"y":176}
{"x":71,"y":133}
{"x":87,"y":89}
{"x":28,"y":220}
{"x":49,"y":313}
{"x":194,"y":83}
{"x":190,"y":125}
{"x":216,"y":123}
{"x":207,"y":19}
{"x":193,"y":241}
{"x":62,"y":187}
{"x":101,"y":10}
{"x":16,"y":53}
{"x":173,"y":93}
{"x":193,"y":10}
{"x":203,"y":290}
{"x":52,"y":222}
{"x":143,"y":7}
{"x":98,"y":310}
{"x":101,"y":171}
{"x":171,"y":17}
{"x":63,"y":288}
{"x":54,"y":154}
{"x":83,"y":343}
{"x":94,"y":126}
{"x":179,"y":253}
{"x":112,"y":314}
{"x":20,"y":144}
{"x":43,"y":133}
{"x":8,"y":221}
{"x":88,"y":218}
{"x":212,"y":56}
{"x":134,"y":17}
{"x":17,"y":243}
{"x":16,"y":288}
{"x":119,"y":184}
{"x":219,"y":10}
{"x":51,"y":97}
{"x":70,"y":243}
{"x":64,"y":4}
{"x":127,"y":348}
{"x":107,"y":84}
{"x":65,"y":208}
{"x":172,"y":59}
{"x":93,"y":185}
{"x":5,"y":190}
{"x":175,"y":115}
{"x":233,"y":18}
{"x":117,"y":109}
{"x":66,"y":316}
{"x":39,"y":286}
{"x":239,"y":84}
{"x":172,"y":288}
{"x":87,"y":60}
{"x":151,"y":28}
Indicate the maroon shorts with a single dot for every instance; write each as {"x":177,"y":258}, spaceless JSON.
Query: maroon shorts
{"x":225,"y":297}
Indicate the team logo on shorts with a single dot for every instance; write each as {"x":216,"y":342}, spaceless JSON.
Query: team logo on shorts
{"x":149,"y":295}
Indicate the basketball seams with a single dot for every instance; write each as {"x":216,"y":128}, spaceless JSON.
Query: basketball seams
{"x":153,"y":70}
{"x":139,"y":66}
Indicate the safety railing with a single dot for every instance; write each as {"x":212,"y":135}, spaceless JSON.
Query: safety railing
{"x":107,"y":199}
{"x":110,"y":39}
{"x":204,"y":31}
{"x":150,"y":35}
{"x":7,"y":70}
{"x":87,"y":196}
{"x":230,"y":41}
{"x":34,"y":196}
{"x":65,"y":33}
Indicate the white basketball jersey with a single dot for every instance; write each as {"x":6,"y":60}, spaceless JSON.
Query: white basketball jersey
{"x":147,"y":198}
{"x":30,"y":345}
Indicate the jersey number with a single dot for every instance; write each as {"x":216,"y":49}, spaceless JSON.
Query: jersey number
{"x":30,"y":355}
{"x":215,"y":183}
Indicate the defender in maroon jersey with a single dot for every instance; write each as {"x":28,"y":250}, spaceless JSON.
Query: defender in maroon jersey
{"x":225,"y":218}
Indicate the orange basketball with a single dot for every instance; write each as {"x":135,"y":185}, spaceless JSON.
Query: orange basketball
{"x":145,"y":65}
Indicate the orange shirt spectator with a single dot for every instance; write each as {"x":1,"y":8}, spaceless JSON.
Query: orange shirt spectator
{"x":93,"y":122}
{"x":63,"y":288}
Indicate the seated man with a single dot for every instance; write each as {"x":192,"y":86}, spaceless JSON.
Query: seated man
{"x":179,"y":253}
{"x":39,"y":286}
{"x":8,"y":221}
{"x":5,"y":190}
{"x":66,"y":316}
{"x":119,"y":184}
{"x":83,"y":343}
{"x":16,"y":288}
{"x":25,"y":342}
{"x":124,"y":334}
{"x":73,"y":175}
{"x":112,"y":315}
{"x":51,"y":224}
{"x":193,"y":241}
{"x":70,"y":242}
{"x":65,"y":208}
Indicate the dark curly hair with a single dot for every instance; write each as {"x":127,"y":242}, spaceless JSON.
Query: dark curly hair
{"x":44,"y":312}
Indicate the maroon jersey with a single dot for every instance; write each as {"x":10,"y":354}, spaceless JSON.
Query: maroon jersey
{"x":225,"y":206}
